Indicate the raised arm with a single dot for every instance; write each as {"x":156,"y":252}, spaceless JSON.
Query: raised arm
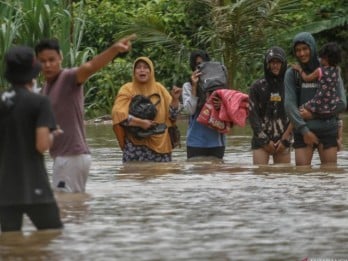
{"x":189,"y":93}
{"x":99,"y":61}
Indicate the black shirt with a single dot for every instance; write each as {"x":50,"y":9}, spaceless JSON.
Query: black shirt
{"x":23,"y":175}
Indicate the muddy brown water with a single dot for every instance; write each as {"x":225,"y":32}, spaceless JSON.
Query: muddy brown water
{"x":195,"y":210}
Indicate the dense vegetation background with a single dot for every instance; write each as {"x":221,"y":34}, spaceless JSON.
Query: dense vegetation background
{"x":235,"y":32}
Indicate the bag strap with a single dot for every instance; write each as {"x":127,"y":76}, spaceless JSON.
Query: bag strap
{"x":158,"y":98}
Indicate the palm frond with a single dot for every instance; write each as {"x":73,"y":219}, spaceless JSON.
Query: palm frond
{"x":150,"y":30}
{"x":319,"y":26}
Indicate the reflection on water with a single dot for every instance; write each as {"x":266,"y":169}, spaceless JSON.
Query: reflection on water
{"x":201,"y":209}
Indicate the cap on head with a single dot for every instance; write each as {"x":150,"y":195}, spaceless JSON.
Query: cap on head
{"x":21,"y":65}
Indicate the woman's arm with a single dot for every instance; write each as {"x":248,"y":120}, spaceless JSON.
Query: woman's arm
{"x":175,"y":93}
{"x":189,"y":100}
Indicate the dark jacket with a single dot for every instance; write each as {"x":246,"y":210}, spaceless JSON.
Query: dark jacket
{"x":298,"y":92}
{"x":266,"y":102}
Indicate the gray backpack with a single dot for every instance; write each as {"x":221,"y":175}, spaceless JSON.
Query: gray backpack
{"x":213,"y":77}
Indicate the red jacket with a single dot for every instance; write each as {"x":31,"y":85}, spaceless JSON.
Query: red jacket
{"x":234,"y":106}
{"x":233,"y":110}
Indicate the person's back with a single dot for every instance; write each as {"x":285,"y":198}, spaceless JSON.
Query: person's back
{"x":18,"y":152}
{"x":25,"y":124}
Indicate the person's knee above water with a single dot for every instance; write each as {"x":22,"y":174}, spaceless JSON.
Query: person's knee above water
{"x":326,"y":101}
{"x":269,"y":123}
{"x":141,"y":137}
{"x":314,"y":132}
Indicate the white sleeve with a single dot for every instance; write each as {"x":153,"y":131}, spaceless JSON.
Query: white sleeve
{"x":189,"y":101}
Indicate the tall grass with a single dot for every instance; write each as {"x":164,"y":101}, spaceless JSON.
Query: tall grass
{"x":27,"y":22}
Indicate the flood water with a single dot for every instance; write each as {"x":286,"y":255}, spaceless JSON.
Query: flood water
{"x":195,"y":210}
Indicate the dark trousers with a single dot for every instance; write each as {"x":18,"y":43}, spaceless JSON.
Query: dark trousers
{"x":43,"y":216}
{"x":213,"y":152}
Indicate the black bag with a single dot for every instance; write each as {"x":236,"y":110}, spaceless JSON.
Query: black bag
{"x":213,"y":76}
{"x":175,"y":136}
{"x":142,"y":107}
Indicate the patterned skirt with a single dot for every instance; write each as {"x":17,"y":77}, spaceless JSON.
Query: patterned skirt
{"x":133,"y":152}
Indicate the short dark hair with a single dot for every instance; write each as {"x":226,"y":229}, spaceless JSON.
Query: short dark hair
{"x":332,"y":52}
{"x":51,"y":44}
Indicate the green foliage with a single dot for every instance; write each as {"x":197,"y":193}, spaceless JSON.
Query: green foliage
{"x":103,"y":87}
{"x":328,"y":21}
{"x":10,"y":24}
{"x":234,"y":32}
{"x":241,"y":32}
{"x":107,"y":22}
{"x":166,"y":32}
{"x":105,"y":18}
{"x":27,"y":22}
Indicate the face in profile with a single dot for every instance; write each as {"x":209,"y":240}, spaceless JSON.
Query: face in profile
{"x":142,"y":71}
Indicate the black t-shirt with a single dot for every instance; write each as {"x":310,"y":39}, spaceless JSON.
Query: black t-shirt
{"x":23,"y":175}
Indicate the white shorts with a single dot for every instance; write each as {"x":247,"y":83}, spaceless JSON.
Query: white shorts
{"x":70,"y":173}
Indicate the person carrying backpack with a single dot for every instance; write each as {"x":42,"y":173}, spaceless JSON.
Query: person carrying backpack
{"x":312,"y":132}
{"x":201,"y":140}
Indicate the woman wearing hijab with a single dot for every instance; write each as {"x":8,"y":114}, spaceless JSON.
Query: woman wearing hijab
{"x":266,"y":112}
{"x":312,"y":132}
{"x":201,"y":140}
{"x":156,"y":147}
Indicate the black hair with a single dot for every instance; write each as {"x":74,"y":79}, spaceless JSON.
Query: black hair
{"x":194,"y":55}
{"x":51,"y":44}
{"x":332,"y":52}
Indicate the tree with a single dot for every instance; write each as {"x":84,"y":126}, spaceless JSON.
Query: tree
{"x":235,"y":32}
{"x":27,"y":22}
